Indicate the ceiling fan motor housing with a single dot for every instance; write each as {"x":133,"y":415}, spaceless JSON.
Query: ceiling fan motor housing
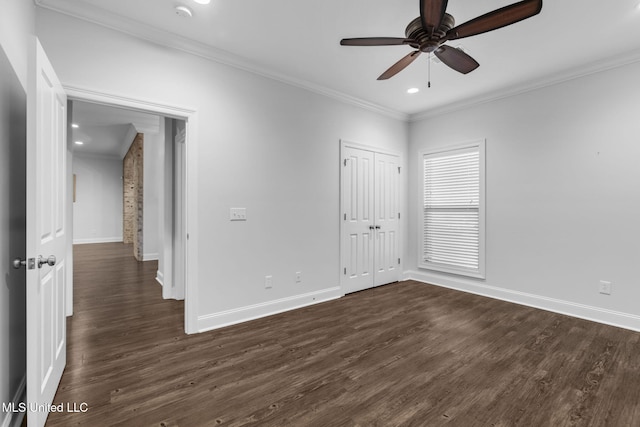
{"x":428,"y":42}
{"x":434,"y":27}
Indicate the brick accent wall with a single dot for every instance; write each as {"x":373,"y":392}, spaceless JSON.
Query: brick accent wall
{"x":133,"y":196}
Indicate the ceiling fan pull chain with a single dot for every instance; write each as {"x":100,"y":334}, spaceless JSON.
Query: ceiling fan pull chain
{"x":429,"y":74}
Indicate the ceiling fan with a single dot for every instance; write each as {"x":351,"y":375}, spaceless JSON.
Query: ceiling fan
{"x":434,"y":27}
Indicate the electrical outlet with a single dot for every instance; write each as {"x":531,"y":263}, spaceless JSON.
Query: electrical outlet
{"x":605,"y":287}
{"x":268,"y":282}
{"x":298,"y":277}
{"x":238,"y":214}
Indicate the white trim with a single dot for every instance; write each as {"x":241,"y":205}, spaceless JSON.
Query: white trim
{"x":243,"y":314}
{"x":160,"y":278}
{"x":191,"y":227}
{"x":555,"y":79}
{"x":344,"y":143}
{"x":69,"y":206}
{"x":401,"y":203}
{"x":151,"y":257}
{"x":175,"y":41}
{"x":176,"y":289}
{"x":581,"y":311}
{"x":14,"y":419}
{"x":190,"y":116}
{"x":123,"y":101}
{"x":481,"y":144}
{"x":97,"y":240}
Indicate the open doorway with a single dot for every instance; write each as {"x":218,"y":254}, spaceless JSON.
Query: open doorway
{"x":104,"y":140}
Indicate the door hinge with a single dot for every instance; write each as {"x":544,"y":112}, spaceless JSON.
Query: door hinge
{"x":398,"y":215}
{"x":345,"y":271}
{"x":398,"y":169}
{"x":345,"y":162}
{"x":345,"y":217}
{"x":398,"y":261}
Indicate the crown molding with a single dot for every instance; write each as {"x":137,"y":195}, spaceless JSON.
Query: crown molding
{"x":551,"y":80}
{"x":154,"y":35}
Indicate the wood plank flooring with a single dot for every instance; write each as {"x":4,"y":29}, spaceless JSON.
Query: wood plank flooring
{"x":403,"y":354}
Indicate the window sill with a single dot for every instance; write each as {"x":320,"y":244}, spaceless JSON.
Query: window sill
{"x":475,"y":274}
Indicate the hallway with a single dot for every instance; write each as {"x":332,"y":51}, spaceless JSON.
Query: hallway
{"x":119,"y":326}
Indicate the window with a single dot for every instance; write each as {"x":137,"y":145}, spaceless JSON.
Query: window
{"x":453,"y":210}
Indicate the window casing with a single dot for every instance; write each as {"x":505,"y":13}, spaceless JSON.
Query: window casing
{"x":453,"y":210}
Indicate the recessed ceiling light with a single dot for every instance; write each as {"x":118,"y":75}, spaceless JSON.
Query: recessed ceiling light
{"x":413,"y":90}
{"x":79,"y":143}
{"x":202,"y":1}
{"x":184,"y":11}
{"x":75,"y":125}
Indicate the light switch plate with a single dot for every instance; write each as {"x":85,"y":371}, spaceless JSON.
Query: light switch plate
{"x":238,"y":214}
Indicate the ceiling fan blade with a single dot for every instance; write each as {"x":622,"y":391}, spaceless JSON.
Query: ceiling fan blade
{"x":400,"y":65}
{"x":431,"y":13}
{"x":456,"y":59}
{"x":497,"y":19}
{"x":375,"y":41}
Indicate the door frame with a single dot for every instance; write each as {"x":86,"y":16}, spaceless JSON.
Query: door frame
{"x":401,"y":202}
{"x":189,"y":187}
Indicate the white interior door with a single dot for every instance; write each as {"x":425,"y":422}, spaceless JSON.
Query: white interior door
{"x":370,"y":205}
{"x":46,"y":235}
{"x":358,"y":228}
{"x":387,"y":258}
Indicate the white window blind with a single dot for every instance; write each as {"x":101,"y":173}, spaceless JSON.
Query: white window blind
{"x":452,"y":210}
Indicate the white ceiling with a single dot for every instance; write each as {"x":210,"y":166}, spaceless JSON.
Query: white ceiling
{"x":298,"y":42}
{"x":108,"y":131}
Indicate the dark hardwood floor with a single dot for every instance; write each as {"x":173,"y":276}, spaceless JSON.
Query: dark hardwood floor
{"x":402,"y":354}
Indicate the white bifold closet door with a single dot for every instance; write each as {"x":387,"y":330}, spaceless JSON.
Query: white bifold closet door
{"x":370,"y":219}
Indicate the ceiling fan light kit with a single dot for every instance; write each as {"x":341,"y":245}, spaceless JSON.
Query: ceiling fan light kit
{"x":429,"y":32}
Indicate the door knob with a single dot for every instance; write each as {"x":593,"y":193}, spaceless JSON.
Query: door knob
{"x":49,"y":261}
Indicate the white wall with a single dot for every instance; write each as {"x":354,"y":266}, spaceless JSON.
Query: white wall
{"x":97,"y":211}
{"x":153,"y":185}
{"x":263,"y":145}
{"x":16,"y":27}
{"x":563,"y":167}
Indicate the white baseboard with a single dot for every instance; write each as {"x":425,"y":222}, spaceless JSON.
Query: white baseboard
{"x":231,"y":317}
{"x":14,"y":419}
{"x":150,"y":257}
{"x":97,"y":240}
{"x":594,"y":314}
{"x":160,"y":277}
